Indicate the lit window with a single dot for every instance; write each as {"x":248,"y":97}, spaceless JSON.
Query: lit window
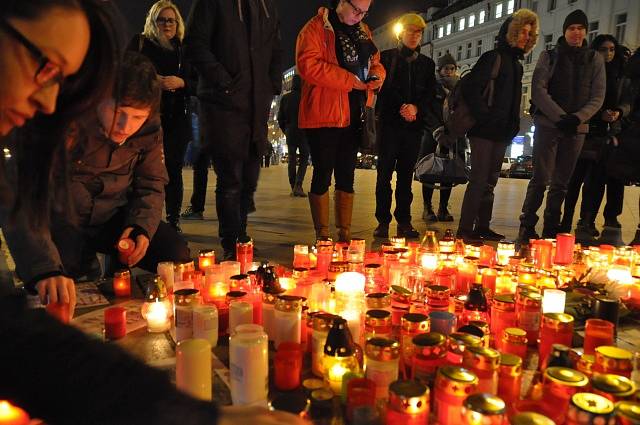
{"x":461,"y":24}
{"x":472,"y":20}
{"x":510,"y":6}
{"x":440,"y":32}
{"x":498,"y":10}
{"x":448,"y":28}
{"x":481,"y":17}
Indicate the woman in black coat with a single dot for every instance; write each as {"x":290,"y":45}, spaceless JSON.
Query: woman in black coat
{"x":161,"y":42}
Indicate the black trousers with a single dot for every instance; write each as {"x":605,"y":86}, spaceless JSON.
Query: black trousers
{"x":297,"y":166}
{"x":428,"y":146}
{"x":77,"y":245}
{"x":554,"y":158}
{"x":333,"y":152}
{"x":237,"y":181}
{"x":201,"y":165}
{"x":175,"y":140}
{"x":577,"y":182}
{"x":398,"y":151}
{"x":593,"y":193}
{"x":477,"y":204}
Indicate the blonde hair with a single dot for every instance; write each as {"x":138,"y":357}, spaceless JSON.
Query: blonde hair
{"x":151,"y":27}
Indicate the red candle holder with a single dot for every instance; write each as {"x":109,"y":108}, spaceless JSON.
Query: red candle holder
{"x":125,"y":246}
{"x":487,"y":256}
{"x":60,"y":311}
{"x":565,"y":244}
{"x":445,"y":277}
{"x":115,"y":323}
{"x":510,"y":378}
{"x":288,"y":366}
{"x":503,"y":315}
{"x":361,"y":393}
{"x":557,"y":328}
{"x":206,"y":259}
{"x":597,"y":332}
{"x":122,"y":283}
{"x":543,"y":251}
{"x":244,"y":253}
{"x":489,"y":277}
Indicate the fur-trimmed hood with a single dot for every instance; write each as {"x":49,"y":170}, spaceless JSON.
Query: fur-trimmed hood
{"x":513,"y":24}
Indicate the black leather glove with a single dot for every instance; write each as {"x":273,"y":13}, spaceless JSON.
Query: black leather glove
{"x":568,"y":124}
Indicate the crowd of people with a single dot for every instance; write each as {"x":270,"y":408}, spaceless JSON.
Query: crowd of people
{"x":94,"y":131}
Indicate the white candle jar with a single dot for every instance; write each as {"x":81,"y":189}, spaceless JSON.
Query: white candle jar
{"x":249,"y":365}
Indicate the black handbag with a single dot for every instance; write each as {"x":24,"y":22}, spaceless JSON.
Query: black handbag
{"x":370,"y":131}
{"x":442,"y":171}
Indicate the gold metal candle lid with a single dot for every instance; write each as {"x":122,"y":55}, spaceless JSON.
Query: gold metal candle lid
{"x":557,"y":320}
{"x":378,"y":300}
{"x":510,"y":365}
{"x":408,"y":396}
{"x":378,"y":318}
{"x":486,"y":404}
{"x":339,"y":266}
{"x":382,"y":349}
{"x":504,"y":301}
{"x":616,"y":385}
{"x":431,"y":345}
{"x":401,"y":292}
{"x":515,"y":335}
{"x":628,"y":412}
{"x":481,"y":358}
{"x":185,"y":296}
{"x":592,"y":403}
{"x":458,"y":341}
{"x":455,"y":380}
{"x":288,"y":303}
{"x":300,"y":273}
{"x":531,"y":298}
{"x":609,"y":357}
{"x":531,"y":418}
{"x":438,"y":292}
{"x":415,"y":322}
{"x":566,"y":376}
{"x":322,"y":321}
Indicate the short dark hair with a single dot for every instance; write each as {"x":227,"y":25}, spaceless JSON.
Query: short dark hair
{"x":137,"y":83}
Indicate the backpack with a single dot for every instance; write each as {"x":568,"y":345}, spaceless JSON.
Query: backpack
{"x":457,"y":114}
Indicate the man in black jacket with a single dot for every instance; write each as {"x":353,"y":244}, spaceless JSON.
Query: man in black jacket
{"x":496,"y":123}
{"x":235,"y":48}
{"x":567,"y":89}
{"x":296,"y":138}
{"x":404,"y":100}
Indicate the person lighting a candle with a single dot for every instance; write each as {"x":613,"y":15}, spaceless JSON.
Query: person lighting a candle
{"x":118,"y":179}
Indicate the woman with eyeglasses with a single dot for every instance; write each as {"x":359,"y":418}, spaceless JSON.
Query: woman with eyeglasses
{"x":599,"y":143}
{"x":161,"y":42}
{"x":340,"y":67}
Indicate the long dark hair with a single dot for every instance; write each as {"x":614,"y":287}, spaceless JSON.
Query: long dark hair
{"x":617,"y":64}
{"x":40,"y":145}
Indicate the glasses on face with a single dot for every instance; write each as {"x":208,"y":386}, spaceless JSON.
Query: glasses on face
{"x":166,"y":21}
{"x":357,"y":11}
{"x":48,"y":73}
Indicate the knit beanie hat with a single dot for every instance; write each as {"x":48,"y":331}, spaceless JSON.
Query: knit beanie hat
{"x":577,"y":17}
{"x":446,"y":59}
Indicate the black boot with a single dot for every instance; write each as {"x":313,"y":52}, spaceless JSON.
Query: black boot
{"x":443,"y":214}
{"x":428,"y":214}
{"x":525,"y":234}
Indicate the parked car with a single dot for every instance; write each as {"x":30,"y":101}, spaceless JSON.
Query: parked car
{"x":522,"y":167}
{"x":366,"y":161}
{"x":506,"y":166}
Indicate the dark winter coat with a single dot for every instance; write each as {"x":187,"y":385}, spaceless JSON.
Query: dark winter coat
{"x":501,"y":121}
{"x":237,"y":55}
{"x":288,"y":112}
{"x":175,"y":104}
{"x":574,"y":85}
{"x":412,"y":81}
{"x":106,"y":177}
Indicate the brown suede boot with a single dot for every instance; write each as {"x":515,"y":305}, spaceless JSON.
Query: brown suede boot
{"x":343,"y":207}
{"x":320,"y":213}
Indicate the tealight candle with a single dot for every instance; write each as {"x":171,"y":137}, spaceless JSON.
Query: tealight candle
{"x":157,"y":316}
{"x":206,"y":259}
{"x":12,"y":415}
{"x":122,"y":283}
{"x":553,"y":301}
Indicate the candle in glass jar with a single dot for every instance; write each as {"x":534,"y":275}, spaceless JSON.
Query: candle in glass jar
{"x":528,"y":314}
{"x":487,"y":256}
{"x":505,"y":251}
{"x":193,"y":368}
{"x":483,"y":409}
{"x":408,"y":403}
{"x":205,"y":323}
{"x":287,"y":366}
{"x":597,"y":333}
{"x":503,"y":315}
{"x":115,"y":323}
{"x":382,"y":364}
{"x":565,"y":244}
{"x":453,"y":384}
{"x":12,"y":415}
{"x":244,"y":253}
{"x":240,"y":313}
{"x":514,"y":341}
{"x":157,"y":316}
{"x":484,"y":362}
{"x":509,"y":378}
{"x":206,"y":259}
{"x":557,"y":328}
{"x":553,"y":301}
{"x":429,"y":353}
{"x":614,"y":360}
{"x":184,"y":302}
{"x":543,"y":251}
{"x":122,"y":283}
{"x":287,"y":320}
{"x":249,"y":365}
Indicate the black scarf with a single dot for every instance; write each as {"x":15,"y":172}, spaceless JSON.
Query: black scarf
{"x":354,"y":48}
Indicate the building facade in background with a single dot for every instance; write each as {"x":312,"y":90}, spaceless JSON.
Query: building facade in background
{"x":468,"y":28}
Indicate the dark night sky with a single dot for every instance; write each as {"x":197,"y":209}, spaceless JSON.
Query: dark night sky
{"x":293,"y":15}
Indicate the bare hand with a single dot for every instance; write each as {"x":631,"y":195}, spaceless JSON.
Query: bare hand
{"x":232,"y":415}
{"x":142,"y":244}
{"x":610,"y":116}
{"x":409,"y":112}
{"x":359,"y":85}
{"x":58,"y":289}
{"x":171,"y":82}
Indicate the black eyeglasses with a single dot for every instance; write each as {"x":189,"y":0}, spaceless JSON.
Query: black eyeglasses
{"x":48,"y":73}
{"x":166,"y":21}
{"x":357,"y":10}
